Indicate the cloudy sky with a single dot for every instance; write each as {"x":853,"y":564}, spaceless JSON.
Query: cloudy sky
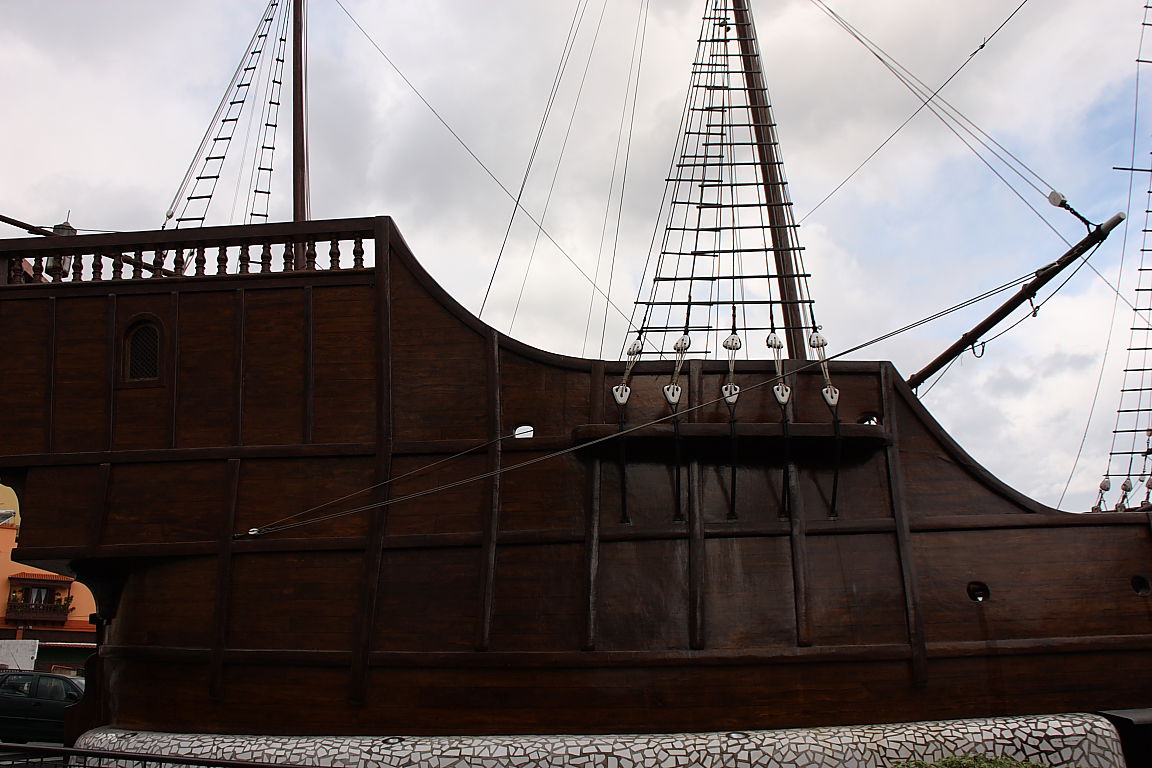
{"x":105,"y":103}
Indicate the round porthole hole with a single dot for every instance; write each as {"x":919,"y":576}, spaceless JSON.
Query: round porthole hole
{"x":1141,"y":586}
{"x":978,"y":591}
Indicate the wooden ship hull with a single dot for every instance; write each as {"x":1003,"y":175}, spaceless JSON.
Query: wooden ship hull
{"x":619,"y":570}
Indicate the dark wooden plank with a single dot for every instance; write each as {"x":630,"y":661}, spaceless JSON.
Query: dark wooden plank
{"x":344,"y":362}
{"x":800,"y":577}
{"x":365,"y":629}
{"x":978,"y":522}
{"x":221,"y":612}
{"x":418,"y":447}
{"x":113,"y":340}
{"x":492,"y":513}
{"x":98,"y":520}
{"x":584,"y":659}
{"x":174,"y":368}
{"x":592,"y":513}
{"x":697,"y":560}
{"x":783,"y":655}
{"x":275,"y":399}
{"x":309,"y":364}
{"x":798,"y":539}
{"x":238,"y":369}
{"x":916,"y":638}
{"x":137,"y":456}
{"x":50,"y":390}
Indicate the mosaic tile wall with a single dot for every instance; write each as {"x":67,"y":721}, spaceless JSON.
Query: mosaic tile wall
{"x":1083,"y":741}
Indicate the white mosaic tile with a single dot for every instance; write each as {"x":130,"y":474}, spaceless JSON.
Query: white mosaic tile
{"x":1084,"y":741}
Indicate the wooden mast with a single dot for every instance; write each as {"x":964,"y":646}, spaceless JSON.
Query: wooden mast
{"x":780,"y":223}
{"x":300,"y":210}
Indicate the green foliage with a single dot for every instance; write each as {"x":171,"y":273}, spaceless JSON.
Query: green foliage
{"x":969,"y":761}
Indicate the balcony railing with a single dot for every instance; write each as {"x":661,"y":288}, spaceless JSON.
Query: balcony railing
{"x":335,"y":244}
{"x":18,"y":610}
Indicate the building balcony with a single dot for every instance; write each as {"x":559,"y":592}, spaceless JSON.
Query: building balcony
{"x":38,"y":613}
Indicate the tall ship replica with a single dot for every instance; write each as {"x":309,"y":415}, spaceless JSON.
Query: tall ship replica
{"x":313,"y":494}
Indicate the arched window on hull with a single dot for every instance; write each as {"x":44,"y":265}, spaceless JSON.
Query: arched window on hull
{"x":142,"y":352}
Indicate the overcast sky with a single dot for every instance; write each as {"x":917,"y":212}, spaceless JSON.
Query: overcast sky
{"x":105,"y":103}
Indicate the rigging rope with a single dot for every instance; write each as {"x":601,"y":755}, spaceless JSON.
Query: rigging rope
{"x":958,"y":123}
{"x":556,"y":170}
{"x":628,"y":91}
{"x":566,"y":52}
{"x":924,"y":102}
{"x":624,"y":179}
{"x":488,"y":171}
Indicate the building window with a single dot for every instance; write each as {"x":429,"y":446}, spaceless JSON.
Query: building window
{"x":38,"y":595}
{"x":142,"y":353}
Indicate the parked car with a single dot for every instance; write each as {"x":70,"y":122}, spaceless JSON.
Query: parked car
{"x":32,"y":704}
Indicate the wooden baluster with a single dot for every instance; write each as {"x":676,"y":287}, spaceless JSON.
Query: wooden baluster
{"x":55,"y":267}
{"x":358,"y":254}
{"x":266,"y":257}
{"x":310,"y":256}
{"x":15,"y":270}
{"x":97,"y":266}
{"x":117,"y":266}
{"x":78,"y":268}
{"x":334,"y":254}
{"x":138,"y":265}
{"x":288,"y":258}
{"x":158,"y":263}
{"x":222,"y":260}
{"x":178,"y":262}
{"x":245,"y":260}
{"x":200,"y":260}
{"x":38,"y":269}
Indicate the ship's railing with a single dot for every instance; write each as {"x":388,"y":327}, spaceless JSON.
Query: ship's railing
{"x":333,"y":244}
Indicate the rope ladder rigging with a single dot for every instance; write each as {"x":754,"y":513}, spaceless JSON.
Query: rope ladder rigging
{"x":729,"y":261}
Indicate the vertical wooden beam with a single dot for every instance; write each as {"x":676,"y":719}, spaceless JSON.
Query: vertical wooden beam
{"x":223,"y":608}
{"x":309,"y":365}
{"x":113,"y":341}
{"x":50,"y":390}
{"x":492,"y":521}
{"x":238,"y":368}
{"x":592,"y":510}
{"x":175,"y":367}
{"x":696,"y":554}
{"x":912,"y":608}
{"x":97,"y":522}
{"x":697,"y":558}
{"x":370,"y":587}
{"x":798,"y":542}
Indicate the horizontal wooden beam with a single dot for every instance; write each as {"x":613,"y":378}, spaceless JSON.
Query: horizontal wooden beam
{"x":219,"y":453}
{"x":668,"y":658}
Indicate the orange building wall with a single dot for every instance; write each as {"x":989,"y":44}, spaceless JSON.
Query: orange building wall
{"x":83,"y":603}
